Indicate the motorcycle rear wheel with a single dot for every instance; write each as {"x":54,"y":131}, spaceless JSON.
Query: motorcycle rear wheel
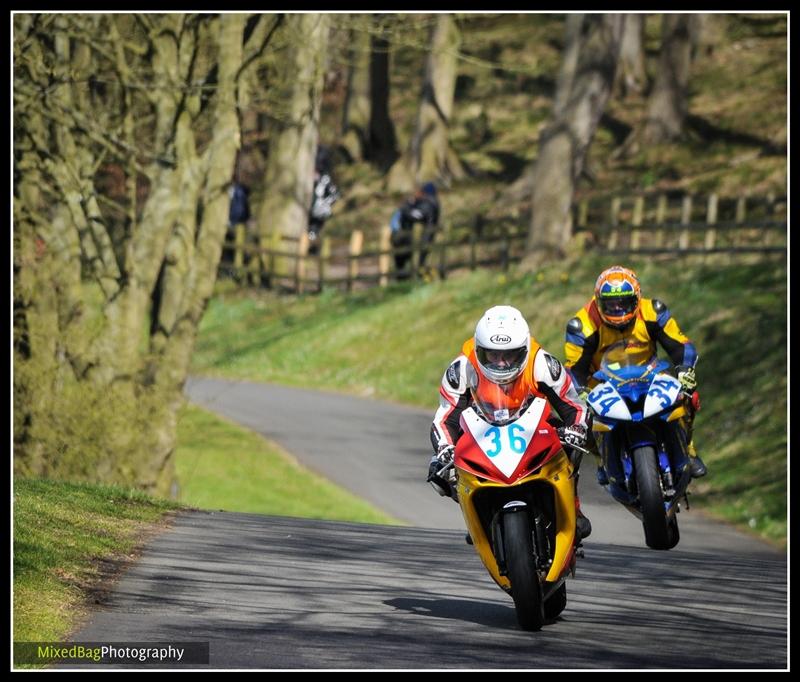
{"x":526,"y":590}
{"x":651,"y":498}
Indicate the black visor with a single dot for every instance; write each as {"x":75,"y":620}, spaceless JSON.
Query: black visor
{"x":501,"y":359}
{"x":617,"y":306}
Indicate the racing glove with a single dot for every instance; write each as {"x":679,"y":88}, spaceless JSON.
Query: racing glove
{"x":573,"y":435}
{"x":440,"y":460}
{"x":687,"y":379}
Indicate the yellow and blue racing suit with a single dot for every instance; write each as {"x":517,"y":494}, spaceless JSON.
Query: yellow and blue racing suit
{"x":588,"y":337}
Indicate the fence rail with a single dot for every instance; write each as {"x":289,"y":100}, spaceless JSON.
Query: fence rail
{"x":653,"y":225}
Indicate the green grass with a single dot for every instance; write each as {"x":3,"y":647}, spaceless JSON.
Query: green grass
{"x":223,"y":466}
{"x":395,"y":344}
{"x":67,"y":537}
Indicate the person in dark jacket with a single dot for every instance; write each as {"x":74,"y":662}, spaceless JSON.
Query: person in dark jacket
{"x":423,"y":208}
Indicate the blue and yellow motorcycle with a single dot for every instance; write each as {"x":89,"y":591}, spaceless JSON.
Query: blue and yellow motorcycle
{"x":637,"y":407}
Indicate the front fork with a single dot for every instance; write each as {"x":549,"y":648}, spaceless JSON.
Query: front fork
{"x":621,"y":445}
{"x":541,"y":545}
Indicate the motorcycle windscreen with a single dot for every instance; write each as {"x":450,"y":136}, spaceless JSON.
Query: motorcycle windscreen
{"x":627,"y":360}
{"x":500,"y":404}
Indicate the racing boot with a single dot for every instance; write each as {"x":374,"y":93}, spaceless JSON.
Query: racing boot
{"x":602,"y":476}
{"x":583,"y":527}
{"x":696,"y":465}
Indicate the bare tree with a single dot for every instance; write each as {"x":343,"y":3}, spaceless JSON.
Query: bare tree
{"x":430,"y":156}
{"x":632,"y":71}
{"x":289,"y":174}
{"x":382,"y":147}
{"x":357,"y":106}
{"x":368,"y":131}
{"x":110,"y":284}
{"x":668,"y":103}
{"x":563,"y":146}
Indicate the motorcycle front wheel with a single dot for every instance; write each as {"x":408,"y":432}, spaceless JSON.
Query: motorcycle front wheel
{"x":651,"y":498}
{"x":526,"y":590}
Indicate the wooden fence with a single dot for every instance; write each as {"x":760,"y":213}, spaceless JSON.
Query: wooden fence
{"x":661,"y":224}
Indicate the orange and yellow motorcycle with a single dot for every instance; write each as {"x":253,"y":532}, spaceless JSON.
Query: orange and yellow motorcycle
{"x":516,"y":489}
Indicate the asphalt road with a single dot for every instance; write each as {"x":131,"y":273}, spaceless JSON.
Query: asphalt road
{"x":381,"y":451}
{"x":280,"y":593}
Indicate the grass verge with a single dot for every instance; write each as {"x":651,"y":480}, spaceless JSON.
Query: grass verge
{"x":223,"y":466}
{"x":69,"y":540}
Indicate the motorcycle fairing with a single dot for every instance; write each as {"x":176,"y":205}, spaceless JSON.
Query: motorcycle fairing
{"x":508,"y":451}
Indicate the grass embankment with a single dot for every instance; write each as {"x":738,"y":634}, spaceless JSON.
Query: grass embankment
{"x":68,"y":539}
{"x":395,"y":344}
{"x":223,"y":466}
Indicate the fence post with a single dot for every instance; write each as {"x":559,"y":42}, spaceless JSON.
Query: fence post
{"x":613,"y":218}
{"x":473,"y":243}
{"x":356,"y":244}
{"x":741,"y":215}
{"x":238,"y":253}
{"x":273,"y":243}
{"x":416,"y":246}
{"x":300,"y":261}
{"x":661,"y":216}
{"x":444,"y":238}
{"x":636,"y":221}
{"x":686,"y":218}
{"x":741,"y":209}
{"x":324,"y":257}
{"x":711,"y":219}
{"x":385,"y":256}
{"x":766,"y":233}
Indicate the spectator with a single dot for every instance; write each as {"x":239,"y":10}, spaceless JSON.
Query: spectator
{"x":324,"y":195}
{"x":423,"y":208}
{"x":238,"y":214}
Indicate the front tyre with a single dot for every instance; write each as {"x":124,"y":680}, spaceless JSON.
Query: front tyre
{"x":520,"y":564}
{"x":651,"y":498}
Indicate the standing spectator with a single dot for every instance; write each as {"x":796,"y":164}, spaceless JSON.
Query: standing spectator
{"x":324,"y":195}
{"x":423,"y":208}
{"x":238,"y":214}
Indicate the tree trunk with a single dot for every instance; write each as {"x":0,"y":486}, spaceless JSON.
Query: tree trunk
{"x":430,"y":156}
{"x":357,"y":105}
{"x":632,"y":70}
{"x":95,"y":401}
{"x":668,"y":103}
{"x":704,"y":33}
{"x":193,"y":255}
{"x":569,"y":62}
{"x":564,"y":144}
{"x":382,"y":147}
{"x":289,"y":174}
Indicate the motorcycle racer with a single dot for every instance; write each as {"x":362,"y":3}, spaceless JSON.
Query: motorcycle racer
{"x":503,"y":356}
{"x":617,"y":312}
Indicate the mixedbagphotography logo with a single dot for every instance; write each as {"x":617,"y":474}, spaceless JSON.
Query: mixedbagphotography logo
{"x":164,"y":653}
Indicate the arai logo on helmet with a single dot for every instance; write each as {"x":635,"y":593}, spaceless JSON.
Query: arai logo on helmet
{"x":500,"y":339}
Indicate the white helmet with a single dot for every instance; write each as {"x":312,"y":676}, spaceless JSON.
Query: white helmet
{"x":502,"y":343}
